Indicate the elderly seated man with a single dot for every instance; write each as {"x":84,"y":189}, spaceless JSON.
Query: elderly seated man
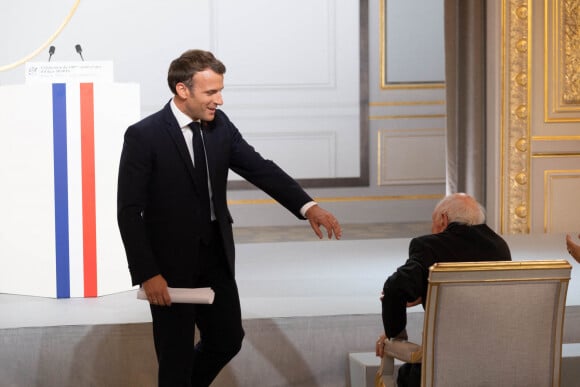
{"x":459,"y":234}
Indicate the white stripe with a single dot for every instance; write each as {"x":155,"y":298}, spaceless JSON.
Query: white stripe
{"x":73,"y":120}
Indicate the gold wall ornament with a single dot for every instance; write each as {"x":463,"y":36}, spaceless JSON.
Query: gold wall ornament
{"x":522,"y":110}
{"x":522,"y":46}
{"x":515,"y":115}
{"x":562,"y":61}
{"x":522,"y":12}
{"x":522,"y":178}
{"x":51,"y":39}
{"x":522,"y":145}
{"x":522,"y":211}
{"x":522,"y":79}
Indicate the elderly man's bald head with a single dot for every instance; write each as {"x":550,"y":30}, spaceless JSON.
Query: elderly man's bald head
{"x":457,"y":207}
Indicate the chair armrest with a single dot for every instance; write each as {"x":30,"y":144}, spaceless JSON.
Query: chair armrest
{"x":396,"y":349}
{"x":404,"y":351}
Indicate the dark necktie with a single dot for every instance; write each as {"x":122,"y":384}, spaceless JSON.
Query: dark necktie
{"x":200,"y":171}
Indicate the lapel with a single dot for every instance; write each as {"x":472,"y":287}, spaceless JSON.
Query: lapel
{"x":174,"y":131}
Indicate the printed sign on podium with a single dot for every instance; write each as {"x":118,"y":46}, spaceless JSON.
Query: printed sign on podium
{"x":61,"y":135}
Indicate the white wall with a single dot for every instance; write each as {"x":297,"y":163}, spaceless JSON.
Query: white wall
{"x":292,"y":88}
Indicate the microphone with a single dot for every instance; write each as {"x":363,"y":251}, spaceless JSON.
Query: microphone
{"x":51,"y":52}
{"x":80,"y":51}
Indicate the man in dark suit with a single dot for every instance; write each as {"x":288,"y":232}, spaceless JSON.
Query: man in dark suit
{"x":459,"y":234}
{"x":175,"y":223}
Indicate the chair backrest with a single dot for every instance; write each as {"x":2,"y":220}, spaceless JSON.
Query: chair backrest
{"x":494,"y":323}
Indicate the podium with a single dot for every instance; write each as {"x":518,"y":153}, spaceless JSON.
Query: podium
{"x":61,"y":135}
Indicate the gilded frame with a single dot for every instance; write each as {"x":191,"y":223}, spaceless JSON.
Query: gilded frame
{"x":562,"y":54}
{"x":515,"y":116}
{"x":385,"y":84}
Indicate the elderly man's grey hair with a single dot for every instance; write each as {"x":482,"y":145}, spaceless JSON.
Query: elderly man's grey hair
{"x":461,"y":208}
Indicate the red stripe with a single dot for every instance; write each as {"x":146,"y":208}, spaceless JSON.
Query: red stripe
{"x":88,"y":187}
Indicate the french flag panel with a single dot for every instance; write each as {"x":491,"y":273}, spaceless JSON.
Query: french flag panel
{"x":74,"y":183}
{"x":74,"y":172}
{"x":62,"y":239}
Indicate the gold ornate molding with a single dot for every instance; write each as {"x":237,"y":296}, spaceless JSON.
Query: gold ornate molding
{"x":562,"y":58}
{"x":571,"y":42}
{"x":515,"y":116}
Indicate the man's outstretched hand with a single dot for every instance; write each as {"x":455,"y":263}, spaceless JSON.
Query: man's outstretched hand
{"x":318,"y":216}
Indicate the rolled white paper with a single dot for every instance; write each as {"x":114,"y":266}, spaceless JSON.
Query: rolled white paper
{"x":185,"y":295}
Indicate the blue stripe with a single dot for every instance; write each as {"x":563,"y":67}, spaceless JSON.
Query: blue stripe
{"x":60,"y":190}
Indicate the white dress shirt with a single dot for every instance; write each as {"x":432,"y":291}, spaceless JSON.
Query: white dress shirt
{"x":183,"y":121}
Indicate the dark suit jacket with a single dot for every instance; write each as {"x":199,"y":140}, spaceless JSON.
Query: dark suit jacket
{"x":457,"y":243}
{"x":158,"y":205}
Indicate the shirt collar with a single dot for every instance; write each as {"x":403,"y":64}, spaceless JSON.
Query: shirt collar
{"x":183,"y":120}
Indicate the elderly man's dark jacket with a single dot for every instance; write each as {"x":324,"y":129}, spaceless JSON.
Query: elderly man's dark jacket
{"x":457,"y":243}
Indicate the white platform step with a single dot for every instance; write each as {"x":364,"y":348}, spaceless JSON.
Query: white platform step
{"x":570,"y":365}
{"x":364,"y":365}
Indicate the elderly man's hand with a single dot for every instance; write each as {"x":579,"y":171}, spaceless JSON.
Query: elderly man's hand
{"x":416,"y":302}
{"x":380,"y":346}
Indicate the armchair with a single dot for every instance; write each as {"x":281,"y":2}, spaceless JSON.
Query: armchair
{"x":489,"y":324}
